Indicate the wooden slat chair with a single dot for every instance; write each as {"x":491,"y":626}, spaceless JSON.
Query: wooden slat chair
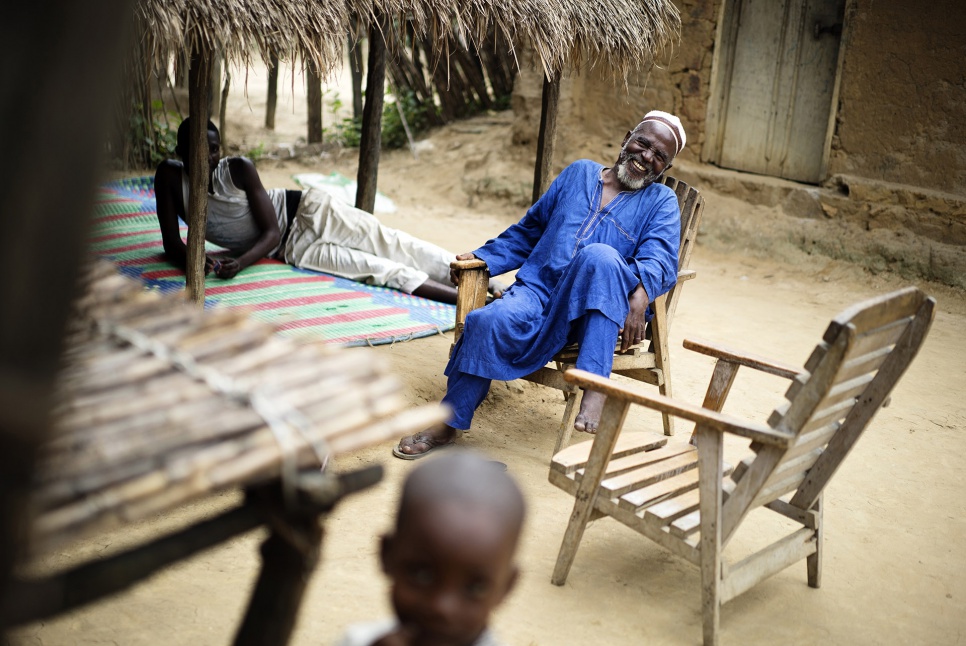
{"x":680,"y":497}
{"x":649,"y":363}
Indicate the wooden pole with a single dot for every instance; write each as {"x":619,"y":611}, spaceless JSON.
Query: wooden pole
{"x":369,"y":146}
{"x":272,"y":94}
{"x":314,"y":98}
{"x":45,"y":229}
{"x":287,"y":562}
{"x":222,"y":121}
{"x":548,"y":136}
{"x":199,"y":82}
{"x":355,"y":70}
{"x":214,"y":92}
{"x":43,"y":598}
{"x":181,"y":70}
{"x":291,"y":552}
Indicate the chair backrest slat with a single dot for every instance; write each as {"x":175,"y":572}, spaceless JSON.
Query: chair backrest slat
{"x":870,"y":400}
{"x":856,"y":365}
{"x":691,"y":205}
{"x":864,"y":352}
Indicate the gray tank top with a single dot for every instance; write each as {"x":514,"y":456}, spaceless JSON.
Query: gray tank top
{"x":230,"y":221}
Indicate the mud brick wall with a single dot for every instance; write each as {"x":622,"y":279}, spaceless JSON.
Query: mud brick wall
{"x":902,"y":99}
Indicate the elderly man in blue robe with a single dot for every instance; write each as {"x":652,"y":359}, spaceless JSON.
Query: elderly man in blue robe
{"x":593,"y":251}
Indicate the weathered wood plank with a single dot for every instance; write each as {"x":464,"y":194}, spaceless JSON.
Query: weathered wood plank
{"x":754,"y":361}
{"x":611,"y":420}
{"x":648,"y":475}
{"x":576,"y":456}
{"x":631,"y":462}
{"x":710,"y":481}
{"x":667,"y":511}
{"x":637,"y":501}
{"x":715,"y":420}
{"x":892,"y":369}
{"x":745,"y":574}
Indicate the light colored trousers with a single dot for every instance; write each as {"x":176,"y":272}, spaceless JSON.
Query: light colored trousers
{"x":331,"y":236}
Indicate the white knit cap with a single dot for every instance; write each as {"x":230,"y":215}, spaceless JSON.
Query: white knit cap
{"x":669,"y":121}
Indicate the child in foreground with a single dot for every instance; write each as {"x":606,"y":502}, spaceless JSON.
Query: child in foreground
{"x":450,"y":556}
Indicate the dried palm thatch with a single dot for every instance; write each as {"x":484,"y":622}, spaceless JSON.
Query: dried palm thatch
{"x":162,"y":403}
{"x":622,"y":35}
{"x":313,"y":31}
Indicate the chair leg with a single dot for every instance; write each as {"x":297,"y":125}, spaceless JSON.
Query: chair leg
{"x":286,"y":567}
{"x":611,"y":419}
{"x":569,"y":416}
{"x":665,"y":389}
{"x":814,"y":562}
{"x":711,"y":605}
{"x":662,"y":356}
{"x":710,"y":476}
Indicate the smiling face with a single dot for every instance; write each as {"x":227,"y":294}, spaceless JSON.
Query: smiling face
{"x":646,"y":153}
{"x":451,"y":564}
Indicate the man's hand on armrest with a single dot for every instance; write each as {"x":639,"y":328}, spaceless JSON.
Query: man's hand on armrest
{"x":454,"y":274}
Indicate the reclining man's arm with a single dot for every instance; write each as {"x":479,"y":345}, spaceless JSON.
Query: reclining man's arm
{"x":245,"y":176}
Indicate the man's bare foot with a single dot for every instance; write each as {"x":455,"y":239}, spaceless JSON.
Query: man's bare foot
{"x":591,"y":404}
{"x":425,"y":442}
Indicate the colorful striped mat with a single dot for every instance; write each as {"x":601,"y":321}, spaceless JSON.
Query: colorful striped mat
{"x":299,"y":302}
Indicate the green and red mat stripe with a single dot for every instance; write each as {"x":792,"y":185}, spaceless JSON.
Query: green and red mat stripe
{"x":297,"y":301}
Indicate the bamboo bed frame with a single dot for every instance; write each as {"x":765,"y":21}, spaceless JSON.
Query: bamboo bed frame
{"x":161,"y":404}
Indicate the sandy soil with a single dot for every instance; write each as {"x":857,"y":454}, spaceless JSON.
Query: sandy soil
{"x":895,"y":568}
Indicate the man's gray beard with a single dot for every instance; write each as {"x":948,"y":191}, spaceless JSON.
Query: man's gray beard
{"x":631,"y":183}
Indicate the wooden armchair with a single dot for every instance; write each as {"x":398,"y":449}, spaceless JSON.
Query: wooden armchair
{"x":648,"y":363}
{"x":680,"y":496}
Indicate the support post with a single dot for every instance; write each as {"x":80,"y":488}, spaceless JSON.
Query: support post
{"x":214,"y":92}
{"x":272,"y":100}
{"x":369,"y":146}
{"x":548,"y":135}
{"x":355,"y":71}
{"x":222,"y":121}
{"x":314,"y":99}
{"x":288,"y":558}
{"x":199,"y":82}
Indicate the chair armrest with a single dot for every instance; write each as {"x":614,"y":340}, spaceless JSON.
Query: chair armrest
{"x":707,"y":418}
{"x":471,"y":290}
{"x":686,"y":274}
{"x":754,"y":361}
{"x":460,"y":265}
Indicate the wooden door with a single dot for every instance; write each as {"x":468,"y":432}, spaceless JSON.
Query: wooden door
{"x":775,"y":87}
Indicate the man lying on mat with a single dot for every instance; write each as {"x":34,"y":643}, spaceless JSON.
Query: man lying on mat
{"x":593,"y":251}
{"x":307,"y":229}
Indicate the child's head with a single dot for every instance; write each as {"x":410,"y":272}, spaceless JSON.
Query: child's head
{"x":450,"y":556}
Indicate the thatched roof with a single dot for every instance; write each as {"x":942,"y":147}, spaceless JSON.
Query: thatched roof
{"x":620,"y":34}
{"x":243,"y":29}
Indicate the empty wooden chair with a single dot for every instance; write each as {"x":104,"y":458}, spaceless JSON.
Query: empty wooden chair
{"x":645,"y":362}
{"x":683,"y":497}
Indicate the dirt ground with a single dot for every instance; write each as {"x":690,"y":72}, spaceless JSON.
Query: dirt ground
{"x":895,"y":566}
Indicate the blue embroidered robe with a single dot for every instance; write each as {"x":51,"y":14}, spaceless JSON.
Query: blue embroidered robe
{"x":515,"y":335}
